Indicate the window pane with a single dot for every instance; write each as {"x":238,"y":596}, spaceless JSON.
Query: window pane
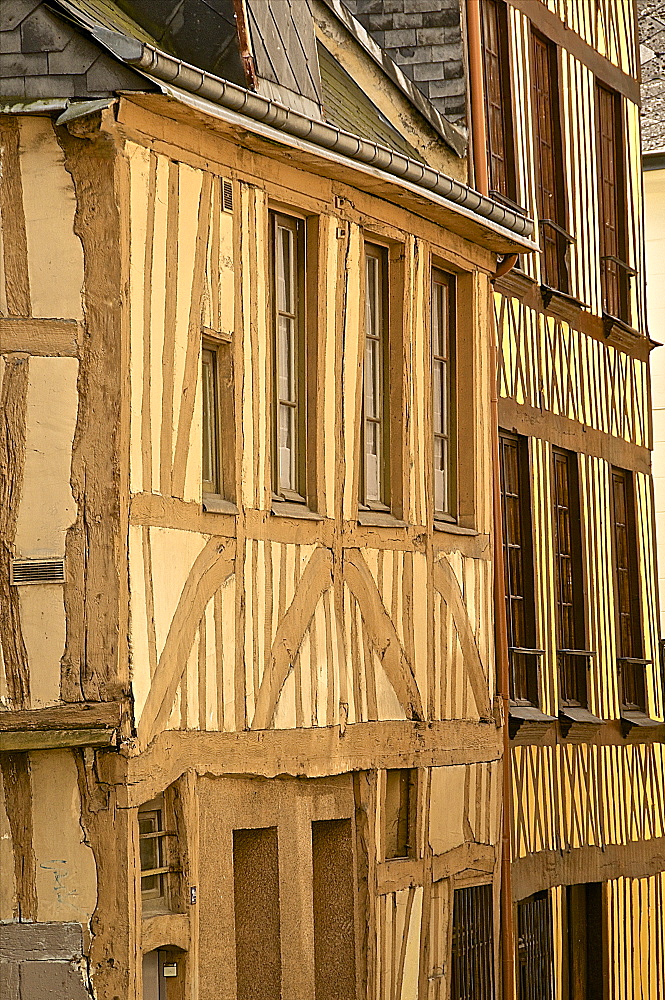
{"x":289,"y":333}
{"x":441,"y":393}
{"x":374,"y":387}
{"x":210,"y":444}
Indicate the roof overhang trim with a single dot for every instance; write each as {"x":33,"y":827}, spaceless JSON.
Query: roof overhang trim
{"x":184,"y":82}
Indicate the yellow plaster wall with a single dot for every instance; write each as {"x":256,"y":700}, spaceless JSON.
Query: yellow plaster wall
{"x":46,"y":511}
{"x":7,"y":882}
{"x":55,"y":255}
{"x":66,"y":875}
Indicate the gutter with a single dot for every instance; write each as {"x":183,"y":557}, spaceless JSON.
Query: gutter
{"x":167,"y":69}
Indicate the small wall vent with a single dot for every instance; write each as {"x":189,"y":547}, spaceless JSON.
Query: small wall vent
{"x":24,"y":571}
{"x":227,"y":195}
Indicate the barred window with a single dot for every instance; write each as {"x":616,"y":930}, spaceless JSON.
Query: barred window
{"x":472,"y":972}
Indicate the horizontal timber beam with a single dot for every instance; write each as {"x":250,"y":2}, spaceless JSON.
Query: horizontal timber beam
{"x":309,"y":753}
{"x":56,"y":739}
{"x":637,"y":859}
{"x":73,"y":715}
{"x":44,"y":338}
{"x":553,"y":27}
{"x":566,"y":433}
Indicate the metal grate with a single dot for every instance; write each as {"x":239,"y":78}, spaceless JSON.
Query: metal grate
{"x":24,"y":571}
{"x":534,"y":948}
{"x":227,"y":195}
{"x":473,"y":944}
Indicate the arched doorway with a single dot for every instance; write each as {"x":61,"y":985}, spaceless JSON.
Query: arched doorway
{"x":164,"y":974}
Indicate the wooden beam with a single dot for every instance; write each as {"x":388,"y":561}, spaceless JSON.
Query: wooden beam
{"x":550,"y":25}
{"x":309,"y":753}
{"x":52,"y":739}
{"x":45,"y":338}
{"x":79,"y":715}
{"x":315,"y":580}
{"x":638,"y":859}
{"x":563,"y":432}
{"x":382,"y":633}
{"x":446,"y":583}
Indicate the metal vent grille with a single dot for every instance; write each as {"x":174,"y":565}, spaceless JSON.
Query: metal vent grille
{"x":227,"y":195}
{"x":24,"y":571}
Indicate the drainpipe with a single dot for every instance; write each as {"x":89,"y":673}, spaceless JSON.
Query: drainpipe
{"x":479,"y":147}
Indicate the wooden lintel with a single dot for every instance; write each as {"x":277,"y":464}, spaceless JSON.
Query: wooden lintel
{"x":74,"y":715}
{"x":566,"y":433}
{"x":637,"y":859}
{"x":55,"y":739}
{"x":310,"y":753}
{"x":391,"y":876}
{"x":480,"y":858}
{"x":39,"y":337}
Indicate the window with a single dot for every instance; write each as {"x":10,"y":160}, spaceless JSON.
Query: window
{"x":548,"y":164}
{"x":472,"y":971}
{"x":375,"y":489}
{"x":443,"y":395}
{"x":627,"y":594}
{"x":257,"y":917}
{"x":400,"y":809}
{"x":518,"y":568}
{"x":612,"y":203}
{"x":333,"y":897}
{"x":586,"y":942}
{"x":218,"y":432}
{"x":288,"y":296}
{"x":498,"y":109}
{"x":534,"y":947}
{"x":572,"y":656}
{"x":153,"y":855}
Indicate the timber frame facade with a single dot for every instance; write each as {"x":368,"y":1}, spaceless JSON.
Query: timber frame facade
{"x":252,"y":732}
{"x":586,"y":726}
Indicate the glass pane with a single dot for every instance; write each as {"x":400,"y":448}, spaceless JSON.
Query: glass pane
{"x":285,"y":296}
{"x":209,"y":468}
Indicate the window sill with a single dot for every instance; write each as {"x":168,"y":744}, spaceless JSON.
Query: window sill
{"x":529,"y":719}
{"x":560,"y":298}
{"x":286,"y":508}
{"x":454,"y":529}
{"x":213,"y":504}
{"x":577,"y":719}
{"x":380,"y":519}
{"x":630,"y":719}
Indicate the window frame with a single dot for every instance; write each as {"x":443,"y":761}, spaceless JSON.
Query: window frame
{"x":384,"y":502}
{"x":158,"y":901}
{"x":612,"y":201}
{"x":464,"y":961}
{"x":297,"y":225}
{"x":407,"y":781}
{"x":505,"y":189}
{"x":439,"y":276}
{"x":572,"y":656}
{"x":536,"y":913}
{"x":554,"y":237}
{"x":222,"y":486}
{"x":521,"y":653}
{"x":630,"y":658}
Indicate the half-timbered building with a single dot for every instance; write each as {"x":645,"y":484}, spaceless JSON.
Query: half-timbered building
{"x":586,"y":719}
{"x":251,"y":746}
{"x":253,"y":721}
